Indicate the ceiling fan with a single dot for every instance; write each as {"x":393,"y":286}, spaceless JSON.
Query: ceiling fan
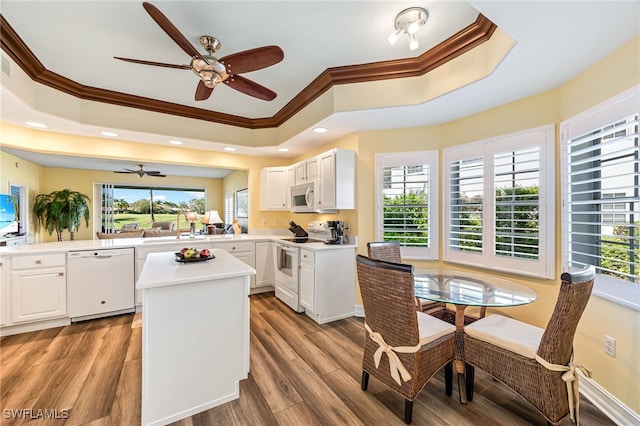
{"x":211,"y":70}
{"x":141,"y":172}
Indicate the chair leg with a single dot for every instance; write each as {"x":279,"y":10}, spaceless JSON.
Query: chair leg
{"x":408,"y":411}
{"x":448,"y":379}
{"x":364,"y":383}
{"x":470,"y":371}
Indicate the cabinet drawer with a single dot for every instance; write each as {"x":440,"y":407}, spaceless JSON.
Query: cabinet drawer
{"x":307,"y":256}
{"x":38,"y":261}
{"x":235,"y":246}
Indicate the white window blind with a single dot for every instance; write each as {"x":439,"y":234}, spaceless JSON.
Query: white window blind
{"x":603,"y":199}
{"x":499,"y":203}
{"x":229,"y":208}
{"x":406,"y":192}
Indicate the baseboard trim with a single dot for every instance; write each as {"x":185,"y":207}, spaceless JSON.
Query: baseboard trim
{"x":610,"y":406}
{"x":359,"y":311}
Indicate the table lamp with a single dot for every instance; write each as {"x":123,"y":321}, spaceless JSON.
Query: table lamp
{"x":210,"y":218}
{"x":192,"y":217}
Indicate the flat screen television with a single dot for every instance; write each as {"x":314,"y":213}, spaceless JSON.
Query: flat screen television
{"x":8,"y":215}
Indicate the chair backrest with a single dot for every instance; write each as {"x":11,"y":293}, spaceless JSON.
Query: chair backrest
{"x":165,"y":226}
{"x":384,"y":250}
{"x":388,"y":309}
{"x":556,"y":344}
{"x":130,"y":227}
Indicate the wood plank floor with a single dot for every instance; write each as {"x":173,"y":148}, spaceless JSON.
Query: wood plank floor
{"x":302,"y":373}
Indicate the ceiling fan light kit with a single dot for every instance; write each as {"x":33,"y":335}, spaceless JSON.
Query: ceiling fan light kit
{"x":409,"y":21}
{"x":211,"y":70}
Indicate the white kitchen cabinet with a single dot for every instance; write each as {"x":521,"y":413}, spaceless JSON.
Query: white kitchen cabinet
{"x":243,"y":250}
{"x":307,"y":280}
{"x":38,"y":287}
{"x":5,"y":304}
{"x":175,"y":246}
{"x":327,"y":283}
{"x":306,"y":171}
{"x":337,"y":179}
{"x":265,"y":266}
{"x":274,"y":188}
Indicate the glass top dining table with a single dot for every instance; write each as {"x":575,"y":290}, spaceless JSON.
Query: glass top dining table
{"x":462,"y":289}
{"x":470,"y":288}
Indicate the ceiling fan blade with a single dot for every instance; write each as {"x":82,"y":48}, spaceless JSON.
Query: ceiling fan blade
{"x":155,"y":64}
{"x":120,"y":171}
{"x":155,"y":175}
{"x":152,"y":172}
{"x":203,"y":92}
{"x":250,"y":88}
{"x":171,"y":30}
{"x":253,"y":59}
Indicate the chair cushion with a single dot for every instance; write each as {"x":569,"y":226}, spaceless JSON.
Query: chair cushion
{"x":507,"y":333}
{"x":431,"y":328}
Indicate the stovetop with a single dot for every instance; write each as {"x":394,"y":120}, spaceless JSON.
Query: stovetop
{"x":302,"y":240}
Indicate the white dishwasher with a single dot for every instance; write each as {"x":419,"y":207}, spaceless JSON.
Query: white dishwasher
{"x":100,"y":283}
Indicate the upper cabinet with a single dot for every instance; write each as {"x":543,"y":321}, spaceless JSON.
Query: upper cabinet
{"x":337,"y":176}
{"x":274,"y":188}
{"x":334,"y":174}
{"x":306,"y":171}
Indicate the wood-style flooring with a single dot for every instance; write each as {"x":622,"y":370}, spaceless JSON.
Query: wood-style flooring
{"x":302,"y":373}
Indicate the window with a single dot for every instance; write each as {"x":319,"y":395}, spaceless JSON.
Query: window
{"x":499,"y":203}
{"x":406,"y":202}
{"x":601,"y":190}
{"x":126,"y":204}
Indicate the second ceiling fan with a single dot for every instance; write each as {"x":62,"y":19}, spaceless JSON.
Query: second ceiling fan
{"x":211,"y":70}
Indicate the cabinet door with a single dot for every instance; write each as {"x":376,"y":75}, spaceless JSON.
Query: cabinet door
{"x":300,"y":172}
{"x":307,"y":281}
{"x":327,"y":187}
{"x":264,"y":264}
{"x":273,"y":188}
{"x":38,"y":294}
{"x":5,"y":306}
{"x":312,"y":169}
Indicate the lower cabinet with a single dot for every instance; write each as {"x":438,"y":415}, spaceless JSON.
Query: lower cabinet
{"x":265,"y":266}
{"x":5,"y":303}
{"x":243,"y":250}
{"x":38,"y":287}
{"x":327,"y":283}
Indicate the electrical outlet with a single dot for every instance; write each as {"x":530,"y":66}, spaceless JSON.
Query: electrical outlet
{"x":610,"y":346}
{"x":264,"y":221}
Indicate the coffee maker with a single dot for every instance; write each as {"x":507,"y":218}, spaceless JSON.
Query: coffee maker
{"x":337,"y":232}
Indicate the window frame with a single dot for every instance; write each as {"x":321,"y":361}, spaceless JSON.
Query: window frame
{"x":544,"y":266}
{"x":615,"y":290}
{"x":411,"y":159}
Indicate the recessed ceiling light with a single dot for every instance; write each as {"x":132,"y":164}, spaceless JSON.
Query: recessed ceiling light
{"x":36,"y":124}
{"x":176,"y":142}
{"x":283,"y":149}
{"x":110,"y":134}
{"x":320,"y":129}
{"x":229,"y":148}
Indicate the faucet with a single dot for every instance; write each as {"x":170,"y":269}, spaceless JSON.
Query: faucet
{"x":178,"y":223}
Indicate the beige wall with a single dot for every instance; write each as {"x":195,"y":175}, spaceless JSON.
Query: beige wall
{"x":620,"y":376}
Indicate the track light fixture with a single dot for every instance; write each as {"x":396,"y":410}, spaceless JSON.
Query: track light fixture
{"x":409,"y":22}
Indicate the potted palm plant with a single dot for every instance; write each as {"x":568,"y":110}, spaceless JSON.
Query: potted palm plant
{"x":61,"y":210}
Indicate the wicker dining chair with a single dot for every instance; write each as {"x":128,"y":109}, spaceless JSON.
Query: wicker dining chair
{"x":403,"y":347}
{"x":390,"y":251}
{"x":531,"y":360}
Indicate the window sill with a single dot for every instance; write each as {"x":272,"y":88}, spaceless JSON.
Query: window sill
{"x":623,"y":293}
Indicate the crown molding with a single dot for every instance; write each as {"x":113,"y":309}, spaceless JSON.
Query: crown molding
{"x":466,"y":39}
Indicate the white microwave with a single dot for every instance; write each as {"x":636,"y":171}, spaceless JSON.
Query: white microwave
{"x":303,"y":198}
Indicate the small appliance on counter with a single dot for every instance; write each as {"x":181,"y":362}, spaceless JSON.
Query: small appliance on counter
{"x":338,"y":236}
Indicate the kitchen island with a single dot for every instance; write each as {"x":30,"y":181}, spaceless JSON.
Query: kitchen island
{"x":195,"y":334}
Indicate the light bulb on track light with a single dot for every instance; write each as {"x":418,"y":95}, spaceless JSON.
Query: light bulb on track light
{"x":413,"y":42}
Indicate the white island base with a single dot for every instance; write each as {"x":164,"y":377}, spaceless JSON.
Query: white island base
{"x":195,"y":334}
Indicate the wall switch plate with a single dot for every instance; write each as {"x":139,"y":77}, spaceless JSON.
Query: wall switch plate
{"x":610,"y":346}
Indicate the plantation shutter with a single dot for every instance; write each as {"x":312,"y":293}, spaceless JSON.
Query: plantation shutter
{"x":106,"y":216}
{"x":466,"y":204}
{"x":516,"y":188}
{"x":603,"y":199}
{"x":406,"y":204}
